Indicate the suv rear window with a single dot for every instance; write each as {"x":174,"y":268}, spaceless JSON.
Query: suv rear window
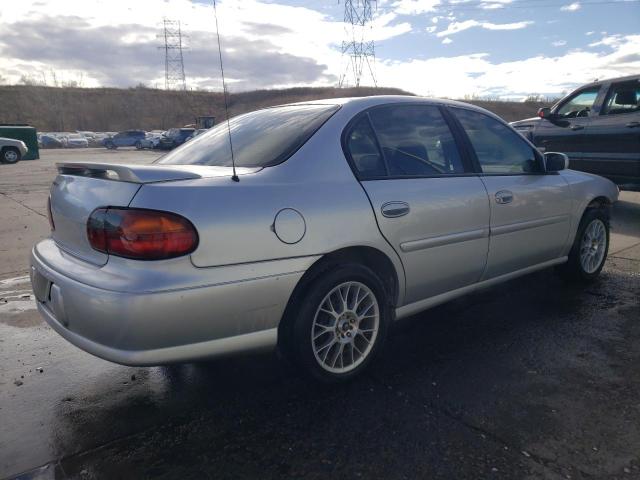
{"x":260,"y":139}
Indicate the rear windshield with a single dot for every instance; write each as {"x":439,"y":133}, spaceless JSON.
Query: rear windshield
{"x":260,"y":139}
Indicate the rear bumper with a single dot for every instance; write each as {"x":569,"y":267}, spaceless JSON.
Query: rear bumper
{"x":162,"y":326}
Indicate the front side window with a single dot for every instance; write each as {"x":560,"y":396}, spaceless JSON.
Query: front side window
{"x":579,"y":105}
{"x":623,"y":98}
{"x":416,"y":141}
{"x":499,"y":149}
{"x":260,"y":139}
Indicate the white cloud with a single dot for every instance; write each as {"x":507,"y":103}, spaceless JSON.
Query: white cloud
{"x":571,"y":7}
{"x":483,"y":4}
{"x":280,"y":32}
{"x":495,"y":4}
{"x":277,"y":45}
{"x":559,"y":43}
{"x":456,"y":27}
{"x":477,"y":74}
{"x":415,"y":7}
{"x":431,"y":29}
{"x":608,"y":41}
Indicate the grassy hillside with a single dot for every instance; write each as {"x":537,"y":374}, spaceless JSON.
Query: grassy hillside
{"x":111,"y":109}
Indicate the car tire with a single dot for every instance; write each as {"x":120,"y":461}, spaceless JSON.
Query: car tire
{"x":590,"y":247}
{"x":339,"y":324}
{"x":10,"y":155}
{"x":139,"y":145}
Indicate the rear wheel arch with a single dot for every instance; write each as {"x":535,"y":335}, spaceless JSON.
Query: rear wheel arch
{"x":372,"y":258}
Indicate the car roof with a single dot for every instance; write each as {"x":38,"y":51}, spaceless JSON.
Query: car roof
{"x":628,"y":78}
{"x":353,"y":105}
{"x":374,"y":100}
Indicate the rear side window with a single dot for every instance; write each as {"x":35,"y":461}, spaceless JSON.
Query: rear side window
{"x":399,"y":141}
{"x":499,"y":149}
{"x":622,"y":98}
{"x":365,"y":155}
{"x":260,"y":139}
{"x":416,"y":140}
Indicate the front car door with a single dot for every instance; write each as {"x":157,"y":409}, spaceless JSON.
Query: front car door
{"x":613,"y":137}
{"x":429,"y":206}
{"x":564,"y":130}
{"x":530,"y":210}
{"x":118,"y":139}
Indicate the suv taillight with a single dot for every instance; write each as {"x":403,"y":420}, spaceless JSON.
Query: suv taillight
{"x":141,"y":234}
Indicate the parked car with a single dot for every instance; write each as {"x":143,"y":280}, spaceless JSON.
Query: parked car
{"x":49,"y":141}
{"x":97,"y":140}
{"x":128,"y":138}
{"x":196,"y":132}
{"x":344,"y":216}
{"x":12,"y":150}
{"x":151,"y":140}
{"x":174,"y":137}
{"x":597,"y":126}
{"x":24,"y":133}
{"x":75,"y":140}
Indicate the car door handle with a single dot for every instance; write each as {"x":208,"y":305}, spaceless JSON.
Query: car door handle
{"x":632,"y":125}
{"x":395,"y":209}
{"x":577,"y":127}
{"x":504,"y":196}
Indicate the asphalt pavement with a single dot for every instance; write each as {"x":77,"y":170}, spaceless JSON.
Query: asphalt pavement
{"x":531,"y":379}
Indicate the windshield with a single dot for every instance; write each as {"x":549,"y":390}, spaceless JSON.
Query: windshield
{"x":260,"y":139}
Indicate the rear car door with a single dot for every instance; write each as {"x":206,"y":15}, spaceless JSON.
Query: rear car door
{"x":428,"y":204}
{"x":564,"y":130}
{"x":530,"y":210}
{"x":613,"y":137}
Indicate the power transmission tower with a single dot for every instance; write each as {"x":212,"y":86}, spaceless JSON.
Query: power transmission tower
{"x":174,"y":78}
{"x":358,"y":18}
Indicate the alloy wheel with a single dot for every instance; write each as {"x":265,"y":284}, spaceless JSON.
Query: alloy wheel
{"x":593,"y":246}
{"x":345,"y":327}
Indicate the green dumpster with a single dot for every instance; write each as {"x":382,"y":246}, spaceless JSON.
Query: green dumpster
{"x":27,"y":134}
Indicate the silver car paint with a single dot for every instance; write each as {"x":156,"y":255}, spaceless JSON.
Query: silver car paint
{"x":444,"y":239}
{"x":12,"y":142}
{"x":230,"y":293}
{"x":532,"y":228}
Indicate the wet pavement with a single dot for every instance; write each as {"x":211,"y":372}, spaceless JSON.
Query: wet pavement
{"x":531,"y":379}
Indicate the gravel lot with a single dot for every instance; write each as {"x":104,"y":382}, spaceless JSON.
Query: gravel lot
{"x":532,"y":379}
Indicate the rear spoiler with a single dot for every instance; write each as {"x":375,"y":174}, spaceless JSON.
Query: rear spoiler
{"x":146,"y":173}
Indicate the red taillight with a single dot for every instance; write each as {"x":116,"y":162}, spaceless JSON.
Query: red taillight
{"x":50,"y":215}
{"x":141,"y":234}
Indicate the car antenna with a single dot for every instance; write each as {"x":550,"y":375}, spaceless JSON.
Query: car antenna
{"x":234,"y":177}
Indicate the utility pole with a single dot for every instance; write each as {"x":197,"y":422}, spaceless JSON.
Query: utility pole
{"x":357,"y":45}
{"x":174,"y":78}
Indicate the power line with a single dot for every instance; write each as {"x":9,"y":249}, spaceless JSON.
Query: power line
{"x":174,"y":78}
{"x":357,"y":45}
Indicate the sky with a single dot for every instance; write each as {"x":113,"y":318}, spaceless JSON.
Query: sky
{"x":441,"y":48}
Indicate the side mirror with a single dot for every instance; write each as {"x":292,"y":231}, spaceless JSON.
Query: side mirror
{"x":544,"y":112}
{"x":554,"y":162}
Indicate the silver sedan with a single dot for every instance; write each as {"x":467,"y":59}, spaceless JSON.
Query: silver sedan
{"x":345,"y":215}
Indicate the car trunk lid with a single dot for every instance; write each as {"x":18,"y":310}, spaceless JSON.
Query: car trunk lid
{"x":80,"y":188}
